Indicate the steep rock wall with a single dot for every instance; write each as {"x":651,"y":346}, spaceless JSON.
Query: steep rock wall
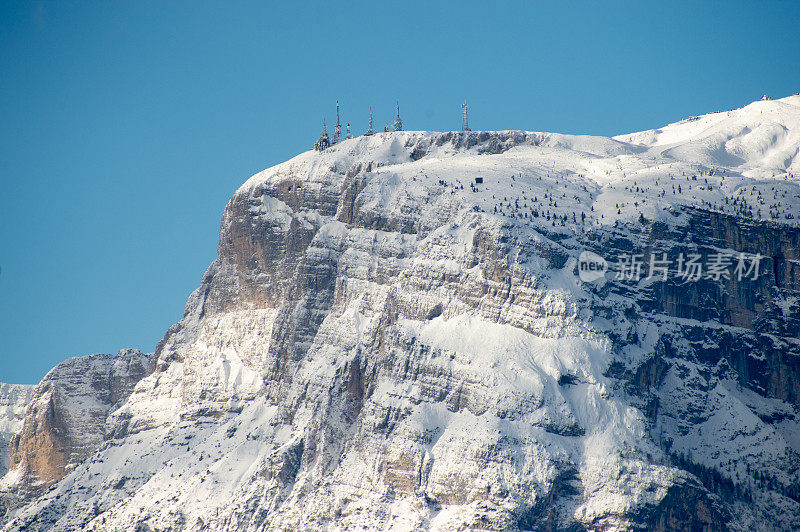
{"x":64,"y":421}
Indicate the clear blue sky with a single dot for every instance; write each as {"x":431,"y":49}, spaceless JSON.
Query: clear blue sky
{"x":126,"y":126}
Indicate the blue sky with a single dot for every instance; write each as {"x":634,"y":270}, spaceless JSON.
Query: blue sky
{"x":126,"y":126}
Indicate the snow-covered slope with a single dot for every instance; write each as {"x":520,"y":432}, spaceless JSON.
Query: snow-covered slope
{"x":760,"y":140}
{"x":13,"y":400}
{"x":395,"y":335}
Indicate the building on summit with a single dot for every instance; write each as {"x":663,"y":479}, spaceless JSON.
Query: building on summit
{"x":323,"y":141}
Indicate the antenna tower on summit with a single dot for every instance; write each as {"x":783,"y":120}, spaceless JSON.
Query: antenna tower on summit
{"x":370,"y":131}
{"x":337,"y":131}
{"x":397,"y":125}
{"x":323,"y":141}
{"x":465,"y":124}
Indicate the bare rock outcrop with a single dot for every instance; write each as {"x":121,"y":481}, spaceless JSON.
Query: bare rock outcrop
{"x":64,"y":421}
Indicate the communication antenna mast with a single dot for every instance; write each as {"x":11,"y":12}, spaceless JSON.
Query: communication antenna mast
{"x":348,"y":135}
{"x":370,"y":131}
{"x":465,"y":124}
{"x":337,"y":131}
{"x":397,"y":125}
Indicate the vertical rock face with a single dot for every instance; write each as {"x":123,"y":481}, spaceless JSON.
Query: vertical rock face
{"x":13,"y":400}
{"x":64,"y":421}
{"x":384,"y":342}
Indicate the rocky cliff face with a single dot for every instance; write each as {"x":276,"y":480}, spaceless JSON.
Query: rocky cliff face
{"x":64,"y":420}
{"x":385,"y":342}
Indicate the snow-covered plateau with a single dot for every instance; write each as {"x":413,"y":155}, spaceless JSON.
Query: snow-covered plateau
{"x":396,"y":335}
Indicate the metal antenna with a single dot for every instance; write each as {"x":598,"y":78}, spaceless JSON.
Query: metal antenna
{"x":465,"y":124}
{"x":397,"y":125}
{"x":337,"y":131}
{"x":370,"y":131}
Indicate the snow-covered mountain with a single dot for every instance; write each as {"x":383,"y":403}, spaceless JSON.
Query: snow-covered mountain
{"x":396,"y":334}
